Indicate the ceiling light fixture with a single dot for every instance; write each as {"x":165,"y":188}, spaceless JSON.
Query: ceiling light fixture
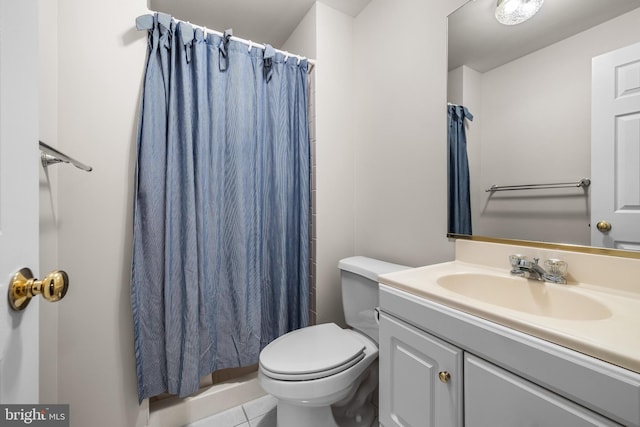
{"x":512,"y":12}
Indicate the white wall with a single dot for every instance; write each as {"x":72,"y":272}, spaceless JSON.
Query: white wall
{"x":536,"y":114}
{"x":400,"y":131}
{"x":334,"y":157}
{"x":48,"y":132}
{"x":303,"y":39}
{"x":101,"y":61}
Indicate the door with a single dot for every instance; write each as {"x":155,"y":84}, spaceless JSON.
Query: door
{"x":615,"y":149}
{"x":420,"y":378}
{"x":18,"y":195}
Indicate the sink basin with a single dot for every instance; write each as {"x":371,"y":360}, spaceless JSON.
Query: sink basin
{"x":529,"y":296}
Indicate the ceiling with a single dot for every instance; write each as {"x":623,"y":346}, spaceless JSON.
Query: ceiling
{"x":263,"y":21}
{"x":477,"y":40}
{"x":475,"y":37}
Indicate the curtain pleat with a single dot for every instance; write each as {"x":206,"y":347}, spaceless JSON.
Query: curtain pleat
{"x":221,"y":215}
{"x":459,"y":189}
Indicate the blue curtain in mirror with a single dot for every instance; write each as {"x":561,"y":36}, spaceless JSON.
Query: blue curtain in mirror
{"x":459,"y":190}
{"x":221,"y":214}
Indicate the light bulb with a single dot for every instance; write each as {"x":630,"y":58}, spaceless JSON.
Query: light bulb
{"x":512,"y":12}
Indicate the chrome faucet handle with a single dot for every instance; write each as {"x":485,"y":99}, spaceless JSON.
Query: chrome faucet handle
{"x":516,"y":261}
{"x":556,"y":267}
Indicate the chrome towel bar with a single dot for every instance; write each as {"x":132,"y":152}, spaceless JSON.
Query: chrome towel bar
{"x":50,"y":156}
{"x":584,"y":182}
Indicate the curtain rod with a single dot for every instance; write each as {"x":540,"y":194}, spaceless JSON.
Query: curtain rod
{"x":249,"y":43}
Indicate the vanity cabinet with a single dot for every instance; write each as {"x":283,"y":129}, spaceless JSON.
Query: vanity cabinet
{"x":421,"y":378}
{"x":497,"y":376}
{"x":496,"y":397}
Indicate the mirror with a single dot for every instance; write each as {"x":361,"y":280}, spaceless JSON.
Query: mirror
{"x":528,"y":87}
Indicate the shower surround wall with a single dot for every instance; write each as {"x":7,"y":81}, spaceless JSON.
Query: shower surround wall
{"x":380,"y":182}
{"x":302,"y":41}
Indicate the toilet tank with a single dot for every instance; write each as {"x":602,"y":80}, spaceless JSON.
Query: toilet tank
{"x":359,"y":277}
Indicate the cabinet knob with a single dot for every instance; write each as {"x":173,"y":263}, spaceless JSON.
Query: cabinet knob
{"x":603,"y":226}
{"x":444,"y":376}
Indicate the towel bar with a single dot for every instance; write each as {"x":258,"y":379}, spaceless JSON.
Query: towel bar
{"x":584,"y":182}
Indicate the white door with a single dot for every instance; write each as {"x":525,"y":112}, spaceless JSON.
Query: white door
{"x":19,"y":164}
{"x":615,"y":149}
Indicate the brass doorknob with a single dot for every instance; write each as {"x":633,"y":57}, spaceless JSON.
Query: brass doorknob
{"x":24,"y":286}
{"x":444,"y":376}
{"x":603,"y":226}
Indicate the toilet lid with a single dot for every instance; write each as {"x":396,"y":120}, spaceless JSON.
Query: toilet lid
{"x":311,"y":352}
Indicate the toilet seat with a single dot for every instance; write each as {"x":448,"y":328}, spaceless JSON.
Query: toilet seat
{"x":311,"y":353}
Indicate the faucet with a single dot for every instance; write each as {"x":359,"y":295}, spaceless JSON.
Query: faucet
{"x":521,"y":266}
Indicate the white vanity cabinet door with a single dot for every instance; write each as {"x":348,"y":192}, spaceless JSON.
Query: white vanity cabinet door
{"x":411,"y":392}
{"x":495,"y":397}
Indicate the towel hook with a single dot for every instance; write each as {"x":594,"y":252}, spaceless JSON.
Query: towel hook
{"x":50,"y":155}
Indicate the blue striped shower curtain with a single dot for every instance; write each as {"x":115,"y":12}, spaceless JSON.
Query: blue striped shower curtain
{"x":221,"y":216}
{"x":459,"y":185}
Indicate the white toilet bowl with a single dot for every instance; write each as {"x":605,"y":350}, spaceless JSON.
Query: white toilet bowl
{"x":323,"y":375}
{"x":310,"y":369}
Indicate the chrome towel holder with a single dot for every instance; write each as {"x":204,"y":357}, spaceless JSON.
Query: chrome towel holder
{"x":584,"y":183}
{"x":50,"y":156}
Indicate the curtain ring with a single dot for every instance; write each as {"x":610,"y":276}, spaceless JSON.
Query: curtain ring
{"x":222,"y":48}
{"x":269,"y":54}
{"x":187,"y":34}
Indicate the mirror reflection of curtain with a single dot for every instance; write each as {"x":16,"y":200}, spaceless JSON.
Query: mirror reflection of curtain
{"x":222,"y":201}
{"x":459,"y":191}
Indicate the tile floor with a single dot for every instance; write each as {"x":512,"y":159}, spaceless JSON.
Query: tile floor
{"x":257,"y":413}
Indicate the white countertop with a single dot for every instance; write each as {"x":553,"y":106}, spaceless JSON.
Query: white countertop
{"x":612,"y":335}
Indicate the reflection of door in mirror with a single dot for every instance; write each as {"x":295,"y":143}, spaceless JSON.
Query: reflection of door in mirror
{"x":532,"y":125}
{"x":615,"y":164}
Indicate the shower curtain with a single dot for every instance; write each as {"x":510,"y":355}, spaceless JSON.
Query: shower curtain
{"x":221,"y":214}
{"x":459,"y":190}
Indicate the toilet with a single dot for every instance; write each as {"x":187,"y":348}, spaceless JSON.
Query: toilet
{"x":324,"y":375}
